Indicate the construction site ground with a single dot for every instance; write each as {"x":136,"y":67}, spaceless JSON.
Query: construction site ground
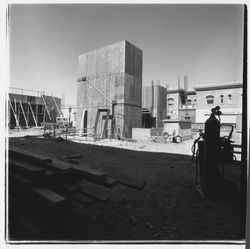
{"x":169,"y":207}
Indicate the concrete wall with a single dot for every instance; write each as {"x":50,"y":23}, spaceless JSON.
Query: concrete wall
{"x":116,"y":70}
{"x":146,"y":133}
{"x":141,"y":133}
{"x":157,"y":104}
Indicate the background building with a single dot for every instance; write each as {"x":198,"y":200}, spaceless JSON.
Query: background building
{"x":113,"y":81}
{"x":195,"y":105}
{"x":227,"y":95}
{"x":154,"y":105}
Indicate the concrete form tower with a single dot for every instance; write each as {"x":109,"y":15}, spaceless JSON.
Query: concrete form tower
{"x":116,"y":71}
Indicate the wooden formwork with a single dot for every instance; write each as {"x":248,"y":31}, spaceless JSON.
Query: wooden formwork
{"x":116,"y":70}
{"x":30,"y":110}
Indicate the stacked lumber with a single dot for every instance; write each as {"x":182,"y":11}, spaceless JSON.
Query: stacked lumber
{"x":42,"y":189}
{"x":55,"y":182}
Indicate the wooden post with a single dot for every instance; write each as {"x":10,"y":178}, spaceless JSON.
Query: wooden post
{"x":28,"y":111}
{"x":43,"y":113}
{"x":26,"y":122}
{"x":45,"y":105}
{"x":105,"y":124}
{"x":32,"y":113}
{"x":179,"y":98}
{"x":18,"y":113}
{"x":36,"y":113}
{"x":15,"y":115}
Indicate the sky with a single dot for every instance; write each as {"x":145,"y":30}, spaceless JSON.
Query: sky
{"x":204,"y":42}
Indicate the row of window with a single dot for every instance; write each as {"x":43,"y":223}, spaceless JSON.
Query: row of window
{"x":209,"y":98}
{"x":171,"y":101}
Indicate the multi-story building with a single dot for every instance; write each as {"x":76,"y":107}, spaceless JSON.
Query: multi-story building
{"x":181,"y":104}
{"x":195,"y":105}
{"x":228,"y":96}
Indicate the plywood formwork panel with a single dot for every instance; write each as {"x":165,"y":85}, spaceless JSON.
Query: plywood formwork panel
{"x":132,"y":90}
{"x":133,"y":60}
{"x":105,"y":69}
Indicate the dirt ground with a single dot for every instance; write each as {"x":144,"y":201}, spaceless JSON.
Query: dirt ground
{"x":168,"y":208}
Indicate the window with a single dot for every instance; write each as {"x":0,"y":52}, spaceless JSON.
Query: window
{"x":170,"y":101}
{"x":221,"y":99}
{"x":229,"y":99}
{"x":210,"y":99}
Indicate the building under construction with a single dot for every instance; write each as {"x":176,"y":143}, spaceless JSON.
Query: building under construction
{"x":109,"y":90}
{"x":30,"y":111}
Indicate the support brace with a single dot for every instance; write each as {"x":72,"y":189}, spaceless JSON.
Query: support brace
{"x":17,"y":122}
{"x":26,"y":122}
{"x":32,"y":114}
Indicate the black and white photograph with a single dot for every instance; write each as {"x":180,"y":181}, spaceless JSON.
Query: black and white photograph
{"x":126,"y":123}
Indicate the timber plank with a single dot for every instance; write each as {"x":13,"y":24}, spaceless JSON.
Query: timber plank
{"x":27,"y":155}
{"x":83,"y":199}
{"x":68,"y":188}
{"x":72,"y":157}
{"x":130,"y":182}
{"x":94,"y":190}
{"x":60,"y":166}
{"x":49,"y":196}
{"x":108,"y":182}
{"x":27,"y":168}
{"x":89,"y":173}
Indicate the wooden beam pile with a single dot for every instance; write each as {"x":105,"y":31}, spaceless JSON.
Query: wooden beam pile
{"x":54,"y":182}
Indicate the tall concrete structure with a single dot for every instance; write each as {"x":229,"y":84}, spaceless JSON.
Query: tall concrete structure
{"x":113,"y":80}
{"x":154,"y":100}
